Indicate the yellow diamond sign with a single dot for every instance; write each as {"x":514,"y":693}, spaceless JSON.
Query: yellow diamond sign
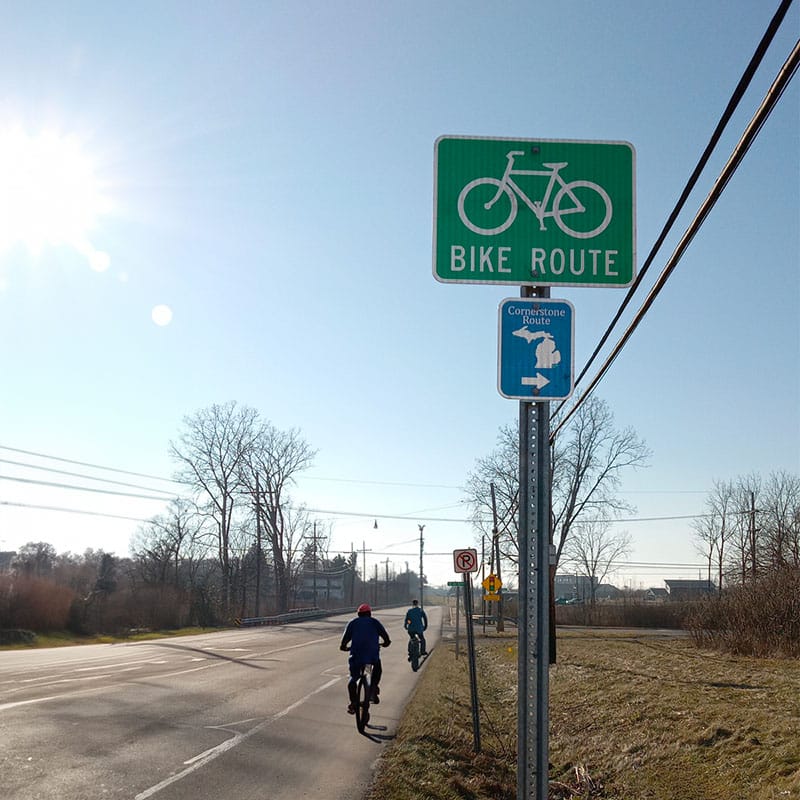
{"x":492,"y":584}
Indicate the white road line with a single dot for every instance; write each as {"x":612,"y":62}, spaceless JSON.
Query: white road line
{"x":159,"y":676}
{"x":114,"y":666}
{"x":209,"y":755}
{"x":6,"y":706}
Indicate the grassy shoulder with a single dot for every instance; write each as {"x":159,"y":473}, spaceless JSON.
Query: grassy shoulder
{"x":67,"y":639}
{"x":631,"y":717}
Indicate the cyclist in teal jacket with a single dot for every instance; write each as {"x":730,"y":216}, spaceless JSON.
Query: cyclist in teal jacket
{"x":417,"y":622}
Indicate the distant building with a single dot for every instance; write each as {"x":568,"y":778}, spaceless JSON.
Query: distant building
{"x":573,"y":587}
{"x":328,"y":587}
{"x":689,"y":590}
{"x":607,"y":591}
{"x":656,"y":594}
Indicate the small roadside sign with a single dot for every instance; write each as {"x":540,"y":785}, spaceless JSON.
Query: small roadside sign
{"x":465,"y":560}
{"x":535,"y":348}
{"x":492,"y":584}
{"x":455,"y":583}
{"x":492,"y":598}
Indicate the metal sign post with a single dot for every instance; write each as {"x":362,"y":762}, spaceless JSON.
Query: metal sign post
{"x":473,"y":675}
{"x":534,"y":601}
{"x":535,"y":213}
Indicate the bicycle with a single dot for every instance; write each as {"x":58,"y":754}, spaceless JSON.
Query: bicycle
{"x":414,"y":650}
{"x":507,"y":186}
{"x":364,"y":695}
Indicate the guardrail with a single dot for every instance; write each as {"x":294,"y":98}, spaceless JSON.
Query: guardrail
{"x":295,"y":615}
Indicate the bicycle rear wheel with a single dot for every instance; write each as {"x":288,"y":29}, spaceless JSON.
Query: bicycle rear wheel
{"x":413,"y":653}
{"x":362,"y":706}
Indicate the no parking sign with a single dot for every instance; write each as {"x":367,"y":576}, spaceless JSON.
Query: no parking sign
{"x":465,"y":560}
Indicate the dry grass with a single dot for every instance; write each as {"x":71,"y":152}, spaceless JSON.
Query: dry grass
{"x":631,"y":717}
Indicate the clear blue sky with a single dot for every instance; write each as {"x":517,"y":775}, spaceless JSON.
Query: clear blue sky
{"x":266,"y":171}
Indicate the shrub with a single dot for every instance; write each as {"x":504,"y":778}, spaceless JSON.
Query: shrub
{"x":623,"y":614}
{"x":756,"y":619}
{"x":16,"y":636}
{"x":33,"y":603}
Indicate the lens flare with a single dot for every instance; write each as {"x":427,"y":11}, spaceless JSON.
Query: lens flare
{"x":161,"y":315}
{"x":50,"y":195}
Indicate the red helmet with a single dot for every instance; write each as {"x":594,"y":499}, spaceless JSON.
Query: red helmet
{"x":364,"y":609}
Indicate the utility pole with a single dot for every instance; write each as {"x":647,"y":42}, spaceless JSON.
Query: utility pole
{"x":496,"y":560}
{"x":387,"y":580}
{"x":314,"y":565}
{"x":483,"y":576}
{"x":421,"y":580}
{"x":353,"y":562}
{"x":258,"y":548}
{"x":364,"y":564}
{"x":753,"y":534}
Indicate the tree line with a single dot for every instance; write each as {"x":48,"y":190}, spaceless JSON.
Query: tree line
{"x":750,"y":528}
{"x":587,"y":463}
{"x":236,"y":545}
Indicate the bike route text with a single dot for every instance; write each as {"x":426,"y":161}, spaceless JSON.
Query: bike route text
{"x":543,"y":263}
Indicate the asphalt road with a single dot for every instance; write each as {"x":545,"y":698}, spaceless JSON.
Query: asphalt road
{"x":253,"y":713}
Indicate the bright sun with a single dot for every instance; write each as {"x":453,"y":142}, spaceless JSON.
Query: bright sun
{"x":49,"y":194}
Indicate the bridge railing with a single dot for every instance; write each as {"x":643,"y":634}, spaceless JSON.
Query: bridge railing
{"x":295,"y":615}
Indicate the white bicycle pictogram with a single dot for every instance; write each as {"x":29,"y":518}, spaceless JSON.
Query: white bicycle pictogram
{"x":565,"y":200}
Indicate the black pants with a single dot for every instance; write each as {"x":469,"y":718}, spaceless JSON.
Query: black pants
{"x":422,"y":647}
{"x":355,"y":674}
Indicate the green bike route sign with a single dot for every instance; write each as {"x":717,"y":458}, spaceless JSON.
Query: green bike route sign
{"x":534,"y":211}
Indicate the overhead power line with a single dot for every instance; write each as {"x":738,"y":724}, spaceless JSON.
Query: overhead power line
{"x":83,"y":475}
{"x":88,"y":464}
{"x":380,"y":483}
{"x":736,"y":97}
{"x":70,"y":511}
{"x":743,"y":145}
{"x":94,"y":489}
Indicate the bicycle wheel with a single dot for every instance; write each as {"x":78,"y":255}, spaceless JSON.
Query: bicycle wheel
{"x":362,"y":706}
{"x":596,"y":205}
{"x":476,"y":201}
{"x":413,"y":652}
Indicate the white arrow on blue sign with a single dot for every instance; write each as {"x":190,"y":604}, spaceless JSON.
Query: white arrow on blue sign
{"x":535,"y":348}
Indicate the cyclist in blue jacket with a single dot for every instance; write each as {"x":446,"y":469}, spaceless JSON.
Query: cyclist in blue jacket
{"x":417,"y":622}
{"x":363,"y":634}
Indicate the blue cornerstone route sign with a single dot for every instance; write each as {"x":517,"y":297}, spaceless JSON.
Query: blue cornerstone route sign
{"x":535,"y":343}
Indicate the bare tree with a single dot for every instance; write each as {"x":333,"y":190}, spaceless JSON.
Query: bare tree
{"x":275,"y":458}
{"x":501,"y":468}
{"x":715,"y":528}
{"x":780,"y":513}
{"x":170,"y":544}
{"x":587,"y":469}
{"x":587,"y":462}
{"x":596,"y":551}
{"x":742,"y":541}
{"x":705,"y":539}
{"x":35,"y":559}
{"x":211,"y":452}
{"x":752,"y":526}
